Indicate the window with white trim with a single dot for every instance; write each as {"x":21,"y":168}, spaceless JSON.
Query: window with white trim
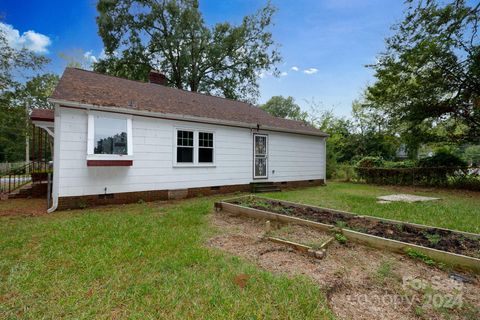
{"x":109,"y":136}
{"x":205,"y":147}
{"x":185,"y":146}
{"x":194,"y":147}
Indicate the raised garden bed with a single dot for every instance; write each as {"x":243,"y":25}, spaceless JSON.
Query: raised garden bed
{"x":463,"y":248}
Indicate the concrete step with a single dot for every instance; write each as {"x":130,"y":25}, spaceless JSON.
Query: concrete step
{"x":264,"y":187}
{"x":22,"y":193}
{"x":273,"y":189}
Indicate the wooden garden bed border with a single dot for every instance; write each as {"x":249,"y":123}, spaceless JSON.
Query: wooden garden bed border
{"x":453,"y":259}
{"x":422,"y":226}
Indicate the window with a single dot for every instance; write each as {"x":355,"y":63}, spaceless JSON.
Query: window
{"x":205,"y":147}
{"x":110,"y":136}
{"x":194,"y":148}
{"x":185,"y":146}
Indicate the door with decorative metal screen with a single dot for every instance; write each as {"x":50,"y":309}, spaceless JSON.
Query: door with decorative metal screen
{"x":260,"y":156}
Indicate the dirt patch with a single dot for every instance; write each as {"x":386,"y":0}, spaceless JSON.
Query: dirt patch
{"x":432,"y":238}
{"x":359,"y":282}
{"x":23,"y":207}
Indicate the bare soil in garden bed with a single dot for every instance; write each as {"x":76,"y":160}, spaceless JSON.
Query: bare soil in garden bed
{"x":359,"y":282}
{"x":439,"y":239}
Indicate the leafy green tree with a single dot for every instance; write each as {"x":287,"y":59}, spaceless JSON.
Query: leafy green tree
{"x":472,"y":155}
{"x":339,"y":130}
{"x":429,"y":75}
{"x":279,"y":106}
{"x":13,"y":122}
{"x":348,"y":142}
{"x":130,"y":65}
{"x":171,"y":36}
{"x":367,"y":118}
{"x":14,"y":60}
{"x":442,"y":158}
{"x":35,"y":92}
{"x":12,"y":129}
{"x":13,"y":118}
{"x":76,"y":58}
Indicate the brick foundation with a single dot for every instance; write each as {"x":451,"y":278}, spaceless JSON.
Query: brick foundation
{"x":77,"y":202}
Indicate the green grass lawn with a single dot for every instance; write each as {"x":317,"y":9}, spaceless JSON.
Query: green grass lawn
{"x":148,"y":261}
{"x":141,"y":261}
{"x":456,"y":209}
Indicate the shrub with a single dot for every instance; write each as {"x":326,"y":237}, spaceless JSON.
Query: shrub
{"x":444,"y":169}
{"x":345,"y":172}
{"x":370,"y":162}
{"x":472,"y":155}
{"x":400,"y":164}
{"x":470,"y":181}
{"x":442,"y":159}
{"x":331,"y":168}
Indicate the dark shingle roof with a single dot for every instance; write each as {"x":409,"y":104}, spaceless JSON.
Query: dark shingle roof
{"x":92,"y":88}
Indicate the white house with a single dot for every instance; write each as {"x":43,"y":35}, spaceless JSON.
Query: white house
{"x":117,"y":141}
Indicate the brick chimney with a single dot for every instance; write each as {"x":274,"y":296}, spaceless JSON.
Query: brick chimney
{"x":157,"y":78}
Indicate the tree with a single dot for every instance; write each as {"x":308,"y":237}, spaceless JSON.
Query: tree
{"x":78,"y":58}
{"x":171,"y":36}
{"x":13,"y":61}
{"x":429,"y":75}
{"x":12,"y":129}
{"x":279,"y":106}
{"x":472,"y":155}
{"x":35,"y":92}
{"x":131,"y":65}
{"x":370,"y":119}
{"x":13,"y":119}
{"x":13,"y":115}
{"x":365,"y":134}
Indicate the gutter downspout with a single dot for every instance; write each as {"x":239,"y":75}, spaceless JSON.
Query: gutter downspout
{"x":54,"y":206}
{"x":56,"y":160}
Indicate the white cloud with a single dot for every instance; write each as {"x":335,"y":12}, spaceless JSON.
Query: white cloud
{"x":294,"y":68}
{"x":103,"y":54}
{"x":90,"y":57}
{"x":283,"y":74}
{"x":31,"y":40}
{"x":310,"y":71}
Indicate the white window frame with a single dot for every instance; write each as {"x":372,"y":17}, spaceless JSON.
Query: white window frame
{"x":199,"y":147}
{"x":195,"y":162}
{"x":91,"y":137}
{"x":177,"y":146}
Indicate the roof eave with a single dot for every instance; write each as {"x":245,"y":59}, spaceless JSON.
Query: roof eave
{"x":170,"y":116}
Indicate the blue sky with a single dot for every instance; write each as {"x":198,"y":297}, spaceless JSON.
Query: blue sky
{"x":325,"y":44}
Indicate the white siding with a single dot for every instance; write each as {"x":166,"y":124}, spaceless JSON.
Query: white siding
{"x":291,"y":157}
{"x":295,"y":157}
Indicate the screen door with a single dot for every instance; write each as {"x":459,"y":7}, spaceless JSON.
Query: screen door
{"x":260,"y":156}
